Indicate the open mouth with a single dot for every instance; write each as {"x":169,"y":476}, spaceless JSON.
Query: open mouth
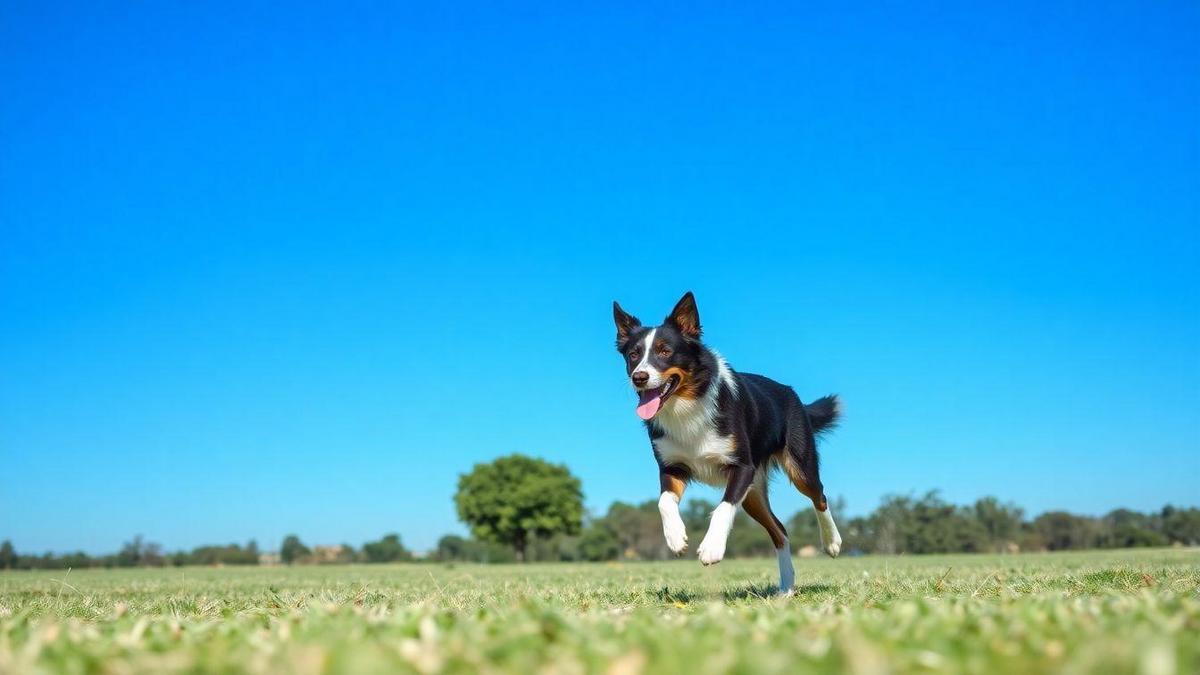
{"x":651,"y":400}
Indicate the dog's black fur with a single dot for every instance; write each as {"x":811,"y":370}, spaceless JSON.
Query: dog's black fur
{"x":764,"y":422}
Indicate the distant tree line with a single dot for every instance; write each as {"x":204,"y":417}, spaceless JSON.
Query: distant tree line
{"x":535,"y":508}
{"x":388,"y":549}
{"x":141,"y":553}
{"x":928,"y":524}
{"x":900,"y":525}
{"x":136,"y":552}
{"x":520,"y":511}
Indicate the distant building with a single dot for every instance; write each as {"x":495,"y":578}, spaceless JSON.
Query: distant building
{"x":330,"y":555}
{"x":269,"y":558}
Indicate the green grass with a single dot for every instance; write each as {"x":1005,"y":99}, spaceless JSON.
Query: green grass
{"x":1125,"y":611}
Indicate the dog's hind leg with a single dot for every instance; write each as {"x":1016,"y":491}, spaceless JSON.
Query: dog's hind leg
{"x":759,"y":508}
{"x":800,"y":463}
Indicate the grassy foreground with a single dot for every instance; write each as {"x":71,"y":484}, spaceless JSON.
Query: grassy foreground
{"x":1125,"y":611}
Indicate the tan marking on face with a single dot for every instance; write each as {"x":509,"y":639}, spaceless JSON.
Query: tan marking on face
{"x":688,"y":387}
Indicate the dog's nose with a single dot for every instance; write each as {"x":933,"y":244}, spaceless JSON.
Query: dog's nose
{"x":640,"y":378}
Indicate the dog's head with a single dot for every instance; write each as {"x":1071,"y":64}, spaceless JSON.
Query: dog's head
{"x":665,"y":360}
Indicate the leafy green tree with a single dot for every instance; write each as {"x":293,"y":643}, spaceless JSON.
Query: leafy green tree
{"x":1000,"y":522}
{"x":387,"y":549}
{"x":638,"y":530}
{"x":696,"y":514}
{"x":599,"y":542}
{"x":292,"y":550}
{"x":516,"y":498}
{"x":8,"y":556}
{"x":138,"y":553}
{"x":903,"y":524}
{"x":858,"y":535}
{"x":1181,"y":526}
{"x":555,"y":548}
{"x":1062,"y":531}
{"x":453,"y":548}
{"x":1123,"y":528}
{"x":230,"y":554}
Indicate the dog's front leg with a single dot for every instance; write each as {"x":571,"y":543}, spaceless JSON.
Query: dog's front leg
{"x":672,"y":482}
{"x":712,"y":548}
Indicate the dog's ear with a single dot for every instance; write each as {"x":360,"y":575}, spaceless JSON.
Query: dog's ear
{"x":626,"y":324}
{"x":686,"y":317}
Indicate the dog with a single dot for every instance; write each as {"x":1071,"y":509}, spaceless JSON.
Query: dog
{"x":710,"y":423}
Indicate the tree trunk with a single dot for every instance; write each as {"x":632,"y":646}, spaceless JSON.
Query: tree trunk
{"x":519,"y":547}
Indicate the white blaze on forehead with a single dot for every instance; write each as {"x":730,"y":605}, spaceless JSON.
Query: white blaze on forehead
{"x":644,"y":365}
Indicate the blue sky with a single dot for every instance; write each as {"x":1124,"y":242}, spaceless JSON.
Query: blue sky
{"x":267,"y":272}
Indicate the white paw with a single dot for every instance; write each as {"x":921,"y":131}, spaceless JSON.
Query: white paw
{"x":675,"y":534}
{"x":674,"y":530}
{"x":831,"y":540}
{"x":712,"y":549}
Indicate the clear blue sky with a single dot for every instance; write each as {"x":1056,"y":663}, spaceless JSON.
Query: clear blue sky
{"x":265,"y":272}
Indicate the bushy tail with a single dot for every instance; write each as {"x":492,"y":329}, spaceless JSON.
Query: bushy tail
{"x":824,"y":413}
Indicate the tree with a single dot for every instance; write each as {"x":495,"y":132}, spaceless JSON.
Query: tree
{"x":1061,"y":531}
{"x":598,"y":542}
{"x":8,"y":556}
{"x":387,"y":549}
{"x":903,"y":524}
{"x":638,"y":530}
{"x":1127,"y":529}
{"x":515,"y":498}
{"x":140,"y":553}
{"x":1181,"y":526}
{"x":1001,"y":522}
{"x":453,"y":547}
{"x":695,"y":514}
{"x":292,"y":550}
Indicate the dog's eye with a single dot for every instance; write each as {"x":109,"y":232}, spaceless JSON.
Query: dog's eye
{"x":664,"y":351}
{"x":634,"y":356}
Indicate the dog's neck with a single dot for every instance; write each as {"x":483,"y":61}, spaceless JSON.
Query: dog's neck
{"x":689,"y":417}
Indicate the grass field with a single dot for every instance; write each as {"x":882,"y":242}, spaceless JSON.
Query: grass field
{"x":1124,"y":611}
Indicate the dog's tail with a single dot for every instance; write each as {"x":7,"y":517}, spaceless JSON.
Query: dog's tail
{"x":824,"y":413}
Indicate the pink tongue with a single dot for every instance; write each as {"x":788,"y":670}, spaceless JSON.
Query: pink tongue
{"x":648,"y":402}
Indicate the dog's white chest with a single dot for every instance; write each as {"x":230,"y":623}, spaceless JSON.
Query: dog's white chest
{"x":702,"y":451}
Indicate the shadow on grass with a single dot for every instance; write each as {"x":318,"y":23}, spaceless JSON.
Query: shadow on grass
{"x":814,"y":589}
{"x":761,"y":591}
{"x":769,"y":590}
{"x":677,"y":596}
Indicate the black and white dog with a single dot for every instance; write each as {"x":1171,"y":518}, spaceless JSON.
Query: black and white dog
{"x":710,"y":423}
